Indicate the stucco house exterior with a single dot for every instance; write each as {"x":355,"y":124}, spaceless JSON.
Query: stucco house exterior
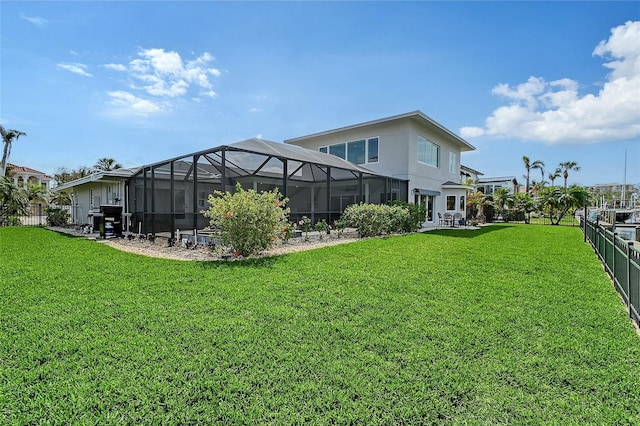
{"x":467,"y":174}
{"x":489,"y":184}
{"x":23,"y":176}
{"x":407,"y":157}
{"x":100,"y":188}
{"x":411,"y":147}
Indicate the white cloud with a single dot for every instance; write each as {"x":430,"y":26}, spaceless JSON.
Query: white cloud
{"x":115,"y":67}
{"x":165,"y":74}
{"x":35,"y":20}
{"x":554,"y":113}
{"x":75,"y":68}
{"x":128,"y":103}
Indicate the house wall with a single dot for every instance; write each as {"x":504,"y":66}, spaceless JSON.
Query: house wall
{"x":90,"y":196}
{"x":25,"y":178}
{"x":398,"y":157}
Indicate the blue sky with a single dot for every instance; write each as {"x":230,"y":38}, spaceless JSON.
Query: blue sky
{"x":145,"y":81}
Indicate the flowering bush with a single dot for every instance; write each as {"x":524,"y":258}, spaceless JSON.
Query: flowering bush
{"x":374,"y":219}
{"x":305,"y":225}
{"x":248,"y":221}
{"x":339,"y":225}
{"x":322,"y":227}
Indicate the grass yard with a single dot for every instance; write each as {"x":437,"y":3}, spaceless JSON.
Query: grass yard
{"x":509,"y":324}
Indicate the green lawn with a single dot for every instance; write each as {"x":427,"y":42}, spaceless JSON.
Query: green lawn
{"x":509,"y":324}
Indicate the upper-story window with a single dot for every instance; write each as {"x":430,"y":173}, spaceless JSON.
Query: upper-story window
{"x":428,"y":152}
{"x":362,"y":151}
{"x":453,"y":164}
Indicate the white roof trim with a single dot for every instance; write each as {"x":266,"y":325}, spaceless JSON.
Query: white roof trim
{"x":415,"y":115}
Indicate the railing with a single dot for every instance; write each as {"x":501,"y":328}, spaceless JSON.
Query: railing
{"x":621,"y":261}
{"x":37,"y":215}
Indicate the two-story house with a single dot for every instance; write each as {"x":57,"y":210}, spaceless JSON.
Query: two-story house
{"x":23,"y":176}
{"x":411,"y":147}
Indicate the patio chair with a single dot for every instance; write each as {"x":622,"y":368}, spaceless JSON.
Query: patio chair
{"x":457,"y":219}
{"x":440,"y":220}
{"x":448,"y":219}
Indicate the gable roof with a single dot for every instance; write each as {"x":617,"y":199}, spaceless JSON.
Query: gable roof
{"x":417,"y":116}
{"x":469,"y":169}
{"x":118,"y":174}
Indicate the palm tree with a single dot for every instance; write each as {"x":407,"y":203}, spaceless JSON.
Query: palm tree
{"x":537,"y":187}
{"x":557,"y":202}
{"x":7,"y":138}
{"x":503,"y":199}
{"x":106,"y":165}
{"x":13,"y":201}
{"x":555,"y":175}
{"x":35,"y":192}
{"x":565,"y":167}
{"x":528,"y":164}
{"x":60,"y":198}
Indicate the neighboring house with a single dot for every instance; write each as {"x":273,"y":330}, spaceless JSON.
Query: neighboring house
{"x":23,"y":176}
{"x":489,"y":185}
{"x":98,"y":189}
{"x":469,"y":175}
{"x":411,"y":147}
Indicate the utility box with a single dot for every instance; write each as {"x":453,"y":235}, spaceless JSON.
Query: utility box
{"x":111,"y":221}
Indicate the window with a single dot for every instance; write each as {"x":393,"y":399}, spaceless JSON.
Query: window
{"x":372,"y":149}
{"x":453,"y":166}
{"x":339,"y":150}
{"x":203,"y":197}
{"x":428,"y":152}
{"x":451,"y":202}
{"x":462,"y":206}
{"x":355,"y":151}
{"x":362,"y":151}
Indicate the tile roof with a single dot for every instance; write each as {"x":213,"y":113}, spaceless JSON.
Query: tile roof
{"x":24,"y":169}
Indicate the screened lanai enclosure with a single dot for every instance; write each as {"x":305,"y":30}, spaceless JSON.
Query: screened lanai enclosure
{"x":172,"y":194}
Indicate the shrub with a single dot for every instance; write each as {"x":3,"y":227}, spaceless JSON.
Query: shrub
{"x":374,"y":219}
{"x":305,"y":226}
{"x":322,"y":227}
{"x":57,"y":217}
{"x":248,"y":221}
{"x":417,"y":215}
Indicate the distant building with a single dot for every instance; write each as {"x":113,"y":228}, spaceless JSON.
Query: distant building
{"x":605,"y":188}
{"x":23,"y":176}
{"x":468,"y":174}
{"x":489,"y":185}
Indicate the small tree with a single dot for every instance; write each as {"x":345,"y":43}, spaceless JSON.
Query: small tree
{"x":557,"y":202}
{"x":523,"y":204}
{"x":503,"y":199}
{"x":14,"y":201}
{"x":476,"y":202}
{"x":248,"y":221}
{"x":106,"y":165}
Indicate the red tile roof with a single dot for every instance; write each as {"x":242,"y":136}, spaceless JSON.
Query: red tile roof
{"x":23,"y":169}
